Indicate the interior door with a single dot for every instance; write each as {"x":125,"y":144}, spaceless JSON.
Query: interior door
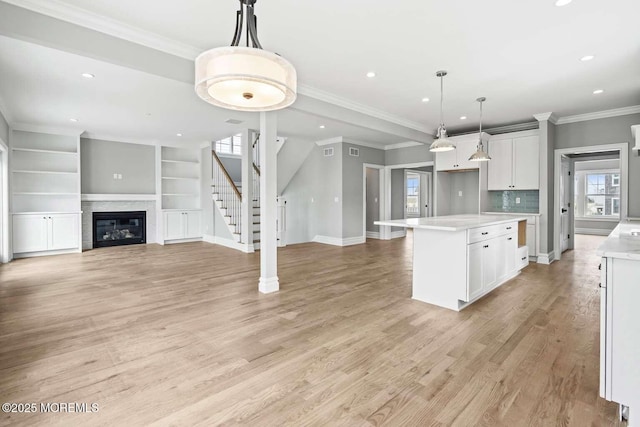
{"x":565,"y":203}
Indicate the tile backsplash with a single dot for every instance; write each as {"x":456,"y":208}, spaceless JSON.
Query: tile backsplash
{"x":505,"y":201}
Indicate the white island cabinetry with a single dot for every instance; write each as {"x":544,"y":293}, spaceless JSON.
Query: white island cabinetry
{"x":458,"y":259}
{"x":619,"y":318}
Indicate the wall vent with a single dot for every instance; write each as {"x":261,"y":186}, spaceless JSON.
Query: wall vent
{"x":355,"y":152}
{"x":328,"y":152}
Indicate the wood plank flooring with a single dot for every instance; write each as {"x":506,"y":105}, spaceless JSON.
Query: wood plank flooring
{"x":179,"y":335}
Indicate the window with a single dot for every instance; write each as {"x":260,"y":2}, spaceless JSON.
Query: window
{"x":413,"y":194}
{"x":230,"y":145}
{"x":597,"y":194}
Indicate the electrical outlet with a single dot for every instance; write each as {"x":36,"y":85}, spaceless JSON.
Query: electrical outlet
{"x":517,"y":200}
{"x":119,"y":176}
{"x":335,"y":199}
{"x":115,"y":176}
{"x":312,"y":200}
{"x":459,"y":193}
{"x":376,"y":199}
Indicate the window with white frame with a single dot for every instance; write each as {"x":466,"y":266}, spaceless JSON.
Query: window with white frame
{"x":413,"y":194}
{"x":230,"y":145}
{"x":597,"y":194}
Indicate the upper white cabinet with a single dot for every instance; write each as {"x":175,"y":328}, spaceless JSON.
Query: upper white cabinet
{"x":515,"y":162}
{"x":458,"y":159}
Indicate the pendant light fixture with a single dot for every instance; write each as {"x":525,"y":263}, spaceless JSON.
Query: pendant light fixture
{"x":480,"y":155}
{"x":245,"y":78}
{"x":442,"y":143}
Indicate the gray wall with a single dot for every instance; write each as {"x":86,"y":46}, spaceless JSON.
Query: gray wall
{"x":373,"y":199}
{"x":233,"y":165}
{"x":353,"y":187}
{"x":611,"y":130}
{"x":101,"y":159}
{"x":402,"y":156}
{"x":4,"y":129}
{"x":290,"y":158}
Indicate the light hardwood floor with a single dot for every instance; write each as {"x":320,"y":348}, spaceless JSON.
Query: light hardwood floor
{"x":179,"y":335}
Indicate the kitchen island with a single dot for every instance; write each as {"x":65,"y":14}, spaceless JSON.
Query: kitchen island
{"x":458,"y":259}
{"x":620,"y":319}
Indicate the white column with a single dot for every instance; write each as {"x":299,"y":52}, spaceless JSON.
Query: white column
{"x":246,"y":216}
{"x":268,"y":203}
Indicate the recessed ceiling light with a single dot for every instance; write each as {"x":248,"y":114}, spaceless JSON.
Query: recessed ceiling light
{"x":178,"y":134}
{"x":73,"y":120}
{"x":561,"y":3}
{"x":463,"y":117}
{"x":425,"y":99}
{"x":371,"y":74}
{"x":587,"y":58}
{"x":322,"y":126}
{"x":88,"y":75}
{"x":598,"y":91}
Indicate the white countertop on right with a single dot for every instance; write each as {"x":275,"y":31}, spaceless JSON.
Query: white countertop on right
{"x":623,"y":242}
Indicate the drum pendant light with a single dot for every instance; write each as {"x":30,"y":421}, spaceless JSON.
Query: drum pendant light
{"x":442,"y":143}
{"x":480,"y":155}
{"x":245,"y":78}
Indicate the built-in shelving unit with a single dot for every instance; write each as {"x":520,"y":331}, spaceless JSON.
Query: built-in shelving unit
{"x":45,"y":172}
{"x":180,"y":186}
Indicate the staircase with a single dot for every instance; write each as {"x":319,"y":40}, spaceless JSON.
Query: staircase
{"x":227,"y":196}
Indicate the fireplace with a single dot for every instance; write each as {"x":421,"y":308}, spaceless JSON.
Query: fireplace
{"x":119,"y":228}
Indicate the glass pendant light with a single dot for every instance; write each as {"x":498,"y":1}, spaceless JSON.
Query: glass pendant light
{"x":442,"y":143}
{"x":480,"y":155}
{"x":245,"y":78}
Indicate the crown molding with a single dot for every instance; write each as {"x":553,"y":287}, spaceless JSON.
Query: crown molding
{"x":402,"y":145}
{"x":550,"y":117}
{"x":81,"y":17}
{"x":363,"y":143}
{"x":625,"y":111}
{"x":331,"y":98}
{"x":142,"y":141}
{"x":52,"y":130}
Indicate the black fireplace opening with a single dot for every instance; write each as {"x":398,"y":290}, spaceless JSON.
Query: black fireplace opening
{"x":119,"y":228}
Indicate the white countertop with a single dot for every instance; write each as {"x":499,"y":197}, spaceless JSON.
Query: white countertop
{"x":512,"y":213}
{"x":620,"y":243}
{"x":452,"y":222}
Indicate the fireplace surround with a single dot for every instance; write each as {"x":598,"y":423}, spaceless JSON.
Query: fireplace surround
{"x":119,"y":228}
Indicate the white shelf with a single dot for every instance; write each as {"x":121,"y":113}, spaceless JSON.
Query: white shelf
{"x":38,"y":150}
{"x":181,"y":194}
{"x":46,"y":213}
{"x":189,"y":162}
{"x":45,"y":172}
{"x":118,"y":197}
{"x":180,"y":178}
{"x":24,"y":193}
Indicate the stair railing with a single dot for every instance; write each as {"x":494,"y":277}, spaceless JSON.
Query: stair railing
{"x":256,"y":168}
{"x":228,"y":192}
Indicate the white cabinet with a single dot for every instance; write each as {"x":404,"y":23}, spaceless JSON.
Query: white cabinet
{"x":619,"y":329}
{"x":458,"y":159}
{"x":475,"y":285}
{"x":515,"y":162}
{"x":179,"y":225}
{"x":45,"y":232}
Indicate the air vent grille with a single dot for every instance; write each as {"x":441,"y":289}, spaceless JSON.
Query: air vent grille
{"x":328,"y":152}
{"x":355,"y":152}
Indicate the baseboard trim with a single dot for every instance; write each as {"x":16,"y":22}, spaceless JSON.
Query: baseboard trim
{"x":398,"y":234}
{"x":336,"y":241}
{"x":45,"y":253}
{"x":593,"y":231}
{"x":227,"y":243}
{"x":546,"y":259}
{"x":373,"y":235}
{"x":175,"y":242}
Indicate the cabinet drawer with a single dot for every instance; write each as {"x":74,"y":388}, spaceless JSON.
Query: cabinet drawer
{"x":522,"y":257}
{"x":484,"y":233}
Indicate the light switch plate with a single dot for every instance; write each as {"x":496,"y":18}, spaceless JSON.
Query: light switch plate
{"x":517,"y":200}
{"x":336,"y":199}
{"x":459,"y":193}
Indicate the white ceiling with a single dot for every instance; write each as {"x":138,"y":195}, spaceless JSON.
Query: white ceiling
{"x":522,"y":55}
{"x":44,"y":86}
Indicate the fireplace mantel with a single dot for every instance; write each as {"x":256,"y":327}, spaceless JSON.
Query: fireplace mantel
{"x":118,"y":197}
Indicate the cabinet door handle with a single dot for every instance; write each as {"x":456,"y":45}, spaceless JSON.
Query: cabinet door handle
{"x":508,"y":228}
{"x":510,"y":238}
{"x":486,"y":246}
{"x":600,"y":267}
{"x":524,"y":258}
{"x":485,"y":233}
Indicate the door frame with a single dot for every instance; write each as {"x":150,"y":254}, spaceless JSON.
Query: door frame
{"x":5,"y":238}
{"x":385,"y":231}
{"x":623,"y":149}
{"x":429,"y":176}
{"x":381,"y":199}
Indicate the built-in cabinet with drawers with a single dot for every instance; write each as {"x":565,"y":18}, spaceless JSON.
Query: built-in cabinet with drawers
{"x":515,"y":161}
